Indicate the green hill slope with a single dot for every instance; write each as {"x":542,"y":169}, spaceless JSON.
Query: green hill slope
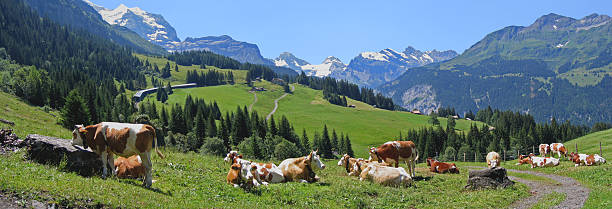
{"x":306,"y":109}
{"x":29,"y":119}
{"x":589,"y":144}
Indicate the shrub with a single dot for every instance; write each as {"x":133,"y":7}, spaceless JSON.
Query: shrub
{"x":213,"y":146}
{"x":449,"y":154}
{"x":285,"y":149}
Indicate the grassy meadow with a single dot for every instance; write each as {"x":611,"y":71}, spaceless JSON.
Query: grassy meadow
{"x":306,"y":109}
{"x":29,"y":119}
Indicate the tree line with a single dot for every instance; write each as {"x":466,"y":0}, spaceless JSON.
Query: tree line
{"x":331,"y":86}
{"x":210,"y":78}
{"x":509,"y":131}
{"x":200,"y":126}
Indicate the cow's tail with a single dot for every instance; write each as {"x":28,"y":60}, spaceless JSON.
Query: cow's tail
{"x":417,"y":154}
{"x":155,"y":141}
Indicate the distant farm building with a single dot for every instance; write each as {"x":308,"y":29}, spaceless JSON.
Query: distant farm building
{"x":416,"y":111}
{"x":258,"y":88}
{"x":351,"y":106}
{"x":139,"y":95}
{"x":455,"y":117}
{"x":278,"y":81}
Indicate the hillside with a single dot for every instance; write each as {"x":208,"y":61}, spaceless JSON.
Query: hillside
{"x":306,"y":109}
{"x":557,"y":67}
{"x":29,"y":119}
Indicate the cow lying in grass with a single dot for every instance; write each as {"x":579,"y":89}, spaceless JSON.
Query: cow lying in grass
{"x":237,"y":176}
{"x":543,"y":161}
{"x":588,"y":160}
{"x":255,"y":173}
{"x":492,"y":159}
{"x":348,"y":163}
{"x":385,"y":175}
{"x":440,"y":167}
{"x":524,"y":159}
{"x":130,"y":167}
{"x":300,"y":169}
{"x":123,"y":139}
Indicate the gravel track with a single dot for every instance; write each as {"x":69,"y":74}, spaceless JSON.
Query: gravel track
{"x":575,"y":194}
{"x":276,"y":103}
{"x":254,"y":101}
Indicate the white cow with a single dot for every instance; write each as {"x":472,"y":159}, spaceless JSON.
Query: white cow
{"x":544,"y":162}
{"x":385,"y":175}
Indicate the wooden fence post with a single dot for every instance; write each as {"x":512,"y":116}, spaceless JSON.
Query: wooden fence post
{"x":504,"y":155}
{"x":475,"y":153}
{"x":518,"y":152}
{"x":576,"y":148}
{"x":533,"y":149}
{"x":454,"y":158}
{"x":464,"y":157}
{"x":600,"y":153}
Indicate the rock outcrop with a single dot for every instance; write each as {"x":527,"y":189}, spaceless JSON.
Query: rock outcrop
{"x":56,"y":151}
{"x":488,"y":179}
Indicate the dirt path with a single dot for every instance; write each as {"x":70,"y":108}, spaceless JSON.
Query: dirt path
{"x":254,"y":101}
{"x":276,"y":103}
{"x":575,"y":194}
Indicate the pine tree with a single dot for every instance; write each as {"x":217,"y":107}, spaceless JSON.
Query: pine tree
{"x":169,"y":89}
{"x":75,"y":111}
{"x":342,"y":144}
{"x":349,"y":147}
{"x":212,"y":127}
{"x":176,"y":69}
{"x":334,"y":141}
{"x":273,"y":129}
{"x":200,"y":125}
{"x":305,"y":142}
{"x":326,"y":149}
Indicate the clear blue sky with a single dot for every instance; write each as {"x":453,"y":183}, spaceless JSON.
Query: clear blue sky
{"x":314,"y":29}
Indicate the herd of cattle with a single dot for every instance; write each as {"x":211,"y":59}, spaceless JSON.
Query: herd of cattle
{"x":133,"y":143}
{"x":559,"y":149}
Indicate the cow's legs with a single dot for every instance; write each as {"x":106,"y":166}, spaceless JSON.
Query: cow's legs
{"x":111,"y":164}
{"x":413,"y":165}
{"x":409,"y":167}
{"x":104,"y":158}
{"x":146,"y":162}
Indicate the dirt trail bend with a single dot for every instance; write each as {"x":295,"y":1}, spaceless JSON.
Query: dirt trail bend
{"x":575,"y":194}
{"x":254,"y":101}
{"x":276,"y":103}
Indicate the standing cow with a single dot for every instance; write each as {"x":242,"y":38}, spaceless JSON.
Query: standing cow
{"x":544,"y":149}
{"x":123,"y":139}
{"x":559,"y":149}
{"x":395,"y":151}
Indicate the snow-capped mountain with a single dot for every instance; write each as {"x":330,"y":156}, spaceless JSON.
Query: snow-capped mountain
{"x":329,"y":65}
{"x":223,"y":45}
{"x":152,"y":27}
{"x":375,"y":68}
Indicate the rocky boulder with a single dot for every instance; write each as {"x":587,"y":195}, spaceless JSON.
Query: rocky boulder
{"x":488,"y":179}
{"x":56,"y":151}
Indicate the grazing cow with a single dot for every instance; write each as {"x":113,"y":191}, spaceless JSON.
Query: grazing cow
{"x":263,"y":173}
{"x":122,"y":139}
{"x":395,"y":151}
{"x":130,"y":167}
{"x":385,"y":175}
{"x":524,"y":159}
{"x":348,"y":163}
{"x":544,"y":162}
{"x":440,"y":167}
{"x":544,"y":149}
{"x":559,"y":149}
{"x":300,"y":169}
{"x":493,"y":159}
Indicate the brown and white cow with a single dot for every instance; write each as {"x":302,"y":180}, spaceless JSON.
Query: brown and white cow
{"x":440,"y":167}
{"x":263,"y":173}
{"x":130,"y":167}
{"x":543,"y":161}
{"x":385,"y":175}
{"x":588,"y":160}
{"x":395,"y":151}
{"x":348,"y":163}
{"x":544,"y":149}
{"x":493,"y":159}
{"x":524,"y":159}
{"x":300,"y":169}
{"x":122,"y":139}
{"x":233,"y":175}
{"x":559,"y":149}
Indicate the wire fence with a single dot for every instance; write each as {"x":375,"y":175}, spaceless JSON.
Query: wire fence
{"x":506,"y":155}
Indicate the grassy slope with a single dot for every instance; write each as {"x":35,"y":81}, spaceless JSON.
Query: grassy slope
{"x":198,"y":181}
{"x":29,"y":119}
{"x":597,"y":178}
{"x":306,"y":108}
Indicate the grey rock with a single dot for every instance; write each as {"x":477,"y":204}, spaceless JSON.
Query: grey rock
{"x":488,"y":179}
{"x":52,"y":151}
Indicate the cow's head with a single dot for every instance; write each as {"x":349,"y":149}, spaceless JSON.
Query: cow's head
{"x":374,"y":154}
{"x":78,"y":136}
{"x":343,"y":160}
{"x":314,"y":157}
{"x":429,"y":161}
{"x":453,"y":169}
{"x":229,"y":158}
